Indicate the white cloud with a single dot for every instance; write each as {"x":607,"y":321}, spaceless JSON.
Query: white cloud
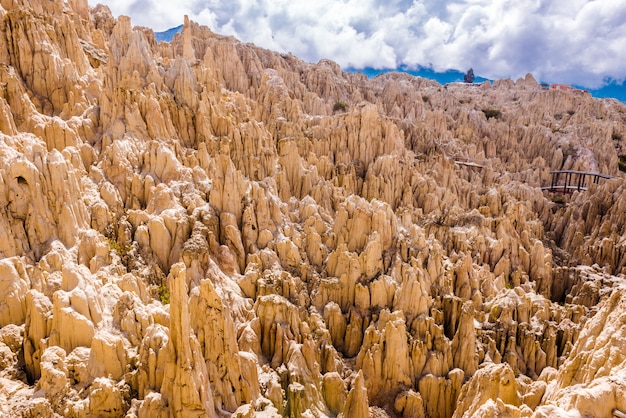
{"x":580,"y":41}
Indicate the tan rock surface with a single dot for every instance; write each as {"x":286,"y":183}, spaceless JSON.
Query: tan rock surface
{"x":193,"y":228}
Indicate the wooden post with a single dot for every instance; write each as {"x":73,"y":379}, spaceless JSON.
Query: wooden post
{"x":581,"y":178}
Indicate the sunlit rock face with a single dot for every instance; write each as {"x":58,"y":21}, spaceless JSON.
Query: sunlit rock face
{"x":207,"y":228}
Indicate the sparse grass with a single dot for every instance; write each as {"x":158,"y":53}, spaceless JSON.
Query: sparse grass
{"x":340,"y":106}
{"x":492,"y":113}
{"x":121,"y":250}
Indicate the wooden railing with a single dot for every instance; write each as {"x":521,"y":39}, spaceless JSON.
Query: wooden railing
{"x":568,"y":181}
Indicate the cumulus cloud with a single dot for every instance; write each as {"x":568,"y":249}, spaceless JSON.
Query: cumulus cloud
{"x":580,"y":41}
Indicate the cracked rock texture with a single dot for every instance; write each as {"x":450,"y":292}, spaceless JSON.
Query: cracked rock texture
{"x":207,"y":228}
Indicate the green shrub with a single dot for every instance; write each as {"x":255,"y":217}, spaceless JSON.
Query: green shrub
{"x":164,"y":294}
{"x":616,"y":136}
{"x":119,"y":249}
{"x":491,"y":113}
{"x":340,"y":107}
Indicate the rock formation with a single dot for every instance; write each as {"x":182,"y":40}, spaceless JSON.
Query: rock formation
{"x":207,"y":228}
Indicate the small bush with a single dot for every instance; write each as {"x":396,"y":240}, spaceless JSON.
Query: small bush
{"x":571,"y":112}
{"x":622,"y":163}
{"x":616,"y":136}
{"x":491,"y":113}
{"x":426,"y":99}
{"x":119,"y":249}
{"x":164,"y":294}
{"x":340,"y":107}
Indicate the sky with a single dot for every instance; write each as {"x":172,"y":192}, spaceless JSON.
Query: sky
{"x":581,"y":42}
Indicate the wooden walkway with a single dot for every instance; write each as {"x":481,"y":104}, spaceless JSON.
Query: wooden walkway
{"x":465,"y":161}
{"x":569,"y":181}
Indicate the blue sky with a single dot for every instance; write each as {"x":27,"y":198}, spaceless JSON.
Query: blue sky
{"x":579,"y":42}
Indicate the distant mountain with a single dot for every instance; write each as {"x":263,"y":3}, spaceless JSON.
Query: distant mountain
{"x":168,"y":35}
{"x":611,"y":90}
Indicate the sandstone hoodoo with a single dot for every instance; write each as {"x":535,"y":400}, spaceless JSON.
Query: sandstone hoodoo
{"x":203,"y":227}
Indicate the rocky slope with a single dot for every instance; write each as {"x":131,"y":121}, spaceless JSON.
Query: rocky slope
{"x":207,"y":228}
